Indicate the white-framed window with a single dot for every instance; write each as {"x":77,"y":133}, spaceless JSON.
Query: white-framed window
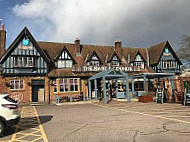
{"x":64,"y":85}
{"x":94,"y":63}
{"x":69,"y":84}
{"x":23,"y":61}
{"x":16,"y":84}
{"x":115,"y":63}
{"x":65,"y":60}
{"x":139,"y":62}
{"x":64,"y":63}
{"x":73,"y":84}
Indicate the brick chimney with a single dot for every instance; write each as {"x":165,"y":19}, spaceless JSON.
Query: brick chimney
{"x":77,"y":47}
{"x":118,"y":46}
{"x":2,"y":40}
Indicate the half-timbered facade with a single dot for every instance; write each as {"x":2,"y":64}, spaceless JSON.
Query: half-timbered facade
{"x":38,"y":71}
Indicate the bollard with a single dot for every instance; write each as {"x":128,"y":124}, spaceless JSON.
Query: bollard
{"x":71,"y":98}
{"x":57,"y":99}
{"x":109,"y":96}
{"x":84,"y":97}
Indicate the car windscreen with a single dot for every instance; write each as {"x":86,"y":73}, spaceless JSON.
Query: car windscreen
{"x":8,"y":98}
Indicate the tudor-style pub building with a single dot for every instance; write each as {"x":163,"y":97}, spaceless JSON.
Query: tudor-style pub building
{"x":37,"y":71}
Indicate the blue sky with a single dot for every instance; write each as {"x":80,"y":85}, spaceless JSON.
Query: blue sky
{"x":141,"y":23}
{"x":9,"y":18}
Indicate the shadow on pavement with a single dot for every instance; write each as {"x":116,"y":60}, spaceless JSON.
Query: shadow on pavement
{"x":27,"y":123}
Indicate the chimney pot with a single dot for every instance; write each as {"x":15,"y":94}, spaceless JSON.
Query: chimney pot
{"x":2,"y":27}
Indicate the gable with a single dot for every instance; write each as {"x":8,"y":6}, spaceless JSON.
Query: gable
{"x":24,"y":57}
{"x":64,"y":55}
{"x":24,"y":34}
{"x":169,"y":54}
{"x":115,"y":57}
{"x":138,"y":57}
{"x":94,"y":57}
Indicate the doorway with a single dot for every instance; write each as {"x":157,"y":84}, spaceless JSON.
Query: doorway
{"x":38,"y":94}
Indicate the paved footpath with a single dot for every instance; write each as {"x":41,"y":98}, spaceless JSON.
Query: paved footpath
{"x":29,"y":128}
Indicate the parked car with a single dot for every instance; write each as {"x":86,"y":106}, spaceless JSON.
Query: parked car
{"x":9,"y":112}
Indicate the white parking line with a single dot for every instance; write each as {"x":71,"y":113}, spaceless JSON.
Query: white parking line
{"x":145,"y":114}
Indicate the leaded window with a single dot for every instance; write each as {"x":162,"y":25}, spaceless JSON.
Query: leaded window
{"x":23,"y":61}
{"x":65,"y":60}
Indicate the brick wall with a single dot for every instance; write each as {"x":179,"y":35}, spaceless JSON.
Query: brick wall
{"x":25,"y":94}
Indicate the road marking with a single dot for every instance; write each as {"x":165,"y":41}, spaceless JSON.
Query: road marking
{"x":40,"y":126}
{"x":29,"y":121}
{"x":16,"y":128}
{"x":145,"y":114}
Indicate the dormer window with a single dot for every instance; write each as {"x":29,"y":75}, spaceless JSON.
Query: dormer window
{"x":138,"y":62}
{"x":94,"y":60}
{"x":64,"y":60}
{"x":115,"y":61}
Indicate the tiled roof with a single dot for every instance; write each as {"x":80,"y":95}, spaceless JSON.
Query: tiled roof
{"x":104,"y":52}
{"x":155,"y":52}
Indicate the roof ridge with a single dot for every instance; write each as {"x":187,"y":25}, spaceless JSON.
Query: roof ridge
{"x":55,"y":42}
{"x":164,"y":42}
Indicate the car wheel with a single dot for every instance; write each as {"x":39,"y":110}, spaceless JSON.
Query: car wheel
{"x":2,"y":127}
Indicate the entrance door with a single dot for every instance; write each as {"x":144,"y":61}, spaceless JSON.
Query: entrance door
{"x":38,"y":91}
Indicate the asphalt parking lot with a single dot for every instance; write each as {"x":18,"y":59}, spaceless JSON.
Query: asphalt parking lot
{"x":116,"y":122}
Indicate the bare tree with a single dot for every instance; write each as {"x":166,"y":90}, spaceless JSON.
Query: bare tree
{"x":184,"y":50}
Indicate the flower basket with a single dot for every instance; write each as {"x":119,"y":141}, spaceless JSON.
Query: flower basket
{"x":145,"y":98}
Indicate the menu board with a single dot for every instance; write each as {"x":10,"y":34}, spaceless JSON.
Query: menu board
{"x":187,"y":99}
{"x":160,"y":97}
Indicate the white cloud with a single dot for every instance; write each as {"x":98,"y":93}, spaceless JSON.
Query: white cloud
{"x":71,"y":18}
{"x":137,"y":23}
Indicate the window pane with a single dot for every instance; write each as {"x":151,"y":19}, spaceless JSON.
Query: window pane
{"x":65,"y":80}
{"x":12,"y":84}
{"x":76,"y":81}
{"x":72,"y":87}
{"x":16,"y":61}
{"x":16,"y":84}
{"x":21,"y":84}
{"x":61,"y":81}
{"x":19,"y":61}
{"x":66,"y":88}
{"x":55,"y":88}
{"x":30,"y":61}
{"x":61,"y":88}
{"x":71,"y":80}
{"x":25,"y":61}
{"x":76,"y":87}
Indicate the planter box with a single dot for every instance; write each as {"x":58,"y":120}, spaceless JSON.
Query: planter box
{"x":145,"y":99}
